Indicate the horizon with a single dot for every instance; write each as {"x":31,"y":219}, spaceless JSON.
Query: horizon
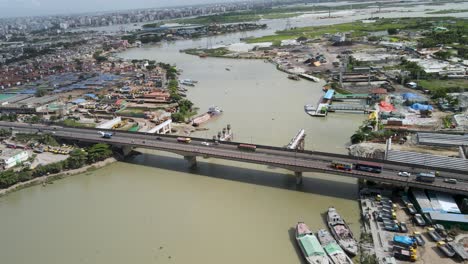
{"x":36,"y":8}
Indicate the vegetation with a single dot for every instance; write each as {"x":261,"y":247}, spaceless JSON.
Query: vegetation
{"x":46,"y":139}
{"x":447,"y":11}
{"x":358,"y":29}
{"x":443,"y":55}
{"x":73,"y":123}
{"x":218,"y":52}
{"x":41,"y":92}
{"x":9,"y":117}
{"x":5,"y":132}
{"x":77,"y":159}
{"x":447,"y":86}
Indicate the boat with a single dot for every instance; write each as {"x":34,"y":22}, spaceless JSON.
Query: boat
{"x":293,"y":77}
{"x":227,"y":69}
{"x":334,"y":251}
{"x":215,"y":110}
{"x":203,"y":55}
{"x":310,"y":246}
{"x":309,"y":109}
{"x":188,"y":82}
{"x":341,"y":232}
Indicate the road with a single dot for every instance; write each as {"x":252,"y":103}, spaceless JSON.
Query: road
{"x":270,"y":156}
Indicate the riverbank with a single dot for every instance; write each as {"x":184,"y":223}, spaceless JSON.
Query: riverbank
{"x":56,"y":176}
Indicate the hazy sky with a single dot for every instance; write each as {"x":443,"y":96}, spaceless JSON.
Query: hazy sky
{"x":11,"y":8}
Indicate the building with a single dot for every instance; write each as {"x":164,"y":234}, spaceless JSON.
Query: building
{"x":450,"y":220}
{"x":12,"y":157}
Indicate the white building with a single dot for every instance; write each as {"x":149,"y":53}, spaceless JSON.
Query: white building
{"x":11,"y":158}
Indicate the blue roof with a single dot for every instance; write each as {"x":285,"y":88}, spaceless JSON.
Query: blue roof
{"x":79,"y":101}
{"x":329,"y":94}
{"x":93,"y":96}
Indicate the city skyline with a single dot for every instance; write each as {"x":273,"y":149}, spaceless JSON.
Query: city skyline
{"x":23,"y":8}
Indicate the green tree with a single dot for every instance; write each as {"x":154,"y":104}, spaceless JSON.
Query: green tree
{"x":98,"y":152}
{"x":178,"y":117}
{"x":392,"y":31}
{"x":185,"y":106}
{"x":77,"y":159}
{"x":41,"y":92}
{"x":443,"y":55}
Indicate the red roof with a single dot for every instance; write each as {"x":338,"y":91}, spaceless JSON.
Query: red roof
{"x":378,"y":91}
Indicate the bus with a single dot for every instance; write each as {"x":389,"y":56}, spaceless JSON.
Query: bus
{"x":342,"y":165}
{"x":369,"y":166}
{"x":184,"y":139}
{"x":247,"y":147}
{"x":425,"y":177}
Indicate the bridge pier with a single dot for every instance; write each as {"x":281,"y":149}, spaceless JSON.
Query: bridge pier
{"x":126,"y":150}
{"x":298,"y":175}
{"x":192,"y":161}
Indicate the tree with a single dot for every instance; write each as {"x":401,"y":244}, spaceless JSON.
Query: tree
{"x":185,"y":105}
{"x":392,"y":31}
{"x":443,"y":55}
{"x":98,"y":152}
{"x":77,"y":159}
{"x":178,"y":117}
{"x":41,"y":92}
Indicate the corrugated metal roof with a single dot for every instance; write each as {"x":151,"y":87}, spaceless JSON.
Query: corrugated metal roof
{"x":459,"y":218}
{"x":428,"y":160}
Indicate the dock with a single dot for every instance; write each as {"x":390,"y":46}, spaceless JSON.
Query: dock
{"x":309,"y":77}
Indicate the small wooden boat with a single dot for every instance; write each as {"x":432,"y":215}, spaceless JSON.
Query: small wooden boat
{"x":293,"y":77}
{"x":341,"y":232}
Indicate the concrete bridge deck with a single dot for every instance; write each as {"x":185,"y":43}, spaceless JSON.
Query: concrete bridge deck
{"x":296,"y":161}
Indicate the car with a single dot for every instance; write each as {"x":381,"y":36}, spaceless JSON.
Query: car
{"x":205,"y":143}
{"x":158,"y":138}
{"x":453,"y":181}
{"x":404,"y":174}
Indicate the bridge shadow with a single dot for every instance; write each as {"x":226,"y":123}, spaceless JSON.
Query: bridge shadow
{"x":280,"y":179}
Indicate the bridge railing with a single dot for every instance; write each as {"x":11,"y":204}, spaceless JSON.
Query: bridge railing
{"x":311,"y":152}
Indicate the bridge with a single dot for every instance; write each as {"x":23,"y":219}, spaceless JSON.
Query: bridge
{"x":296,"y":161}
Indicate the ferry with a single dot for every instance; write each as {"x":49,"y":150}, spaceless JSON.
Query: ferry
{"x":334,"y":251}
{"x":341,"y":232}
{"x":310,"y":246}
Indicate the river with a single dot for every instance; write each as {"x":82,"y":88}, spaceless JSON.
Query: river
{"x":153,"y":209}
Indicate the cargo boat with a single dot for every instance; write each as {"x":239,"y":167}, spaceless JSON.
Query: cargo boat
{"x":341,"y":232}
{"x":212,"y":111}
{"x":310,"y":246}
{"x":334,"y":251}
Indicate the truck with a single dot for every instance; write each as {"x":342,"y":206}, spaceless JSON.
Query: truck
{"x":411,"y":209}
{"x":106,"y":134}
{"x":425,"y":177}
{"x":405,"y":254}
{"x":419,"y":238}
{"x":446,"y":249}
{"x":433,"y":234}
{"x":405,"y":241}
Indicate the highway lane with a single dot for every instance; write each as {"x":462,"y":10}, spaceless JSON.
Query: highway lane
{"x":295,"y":161}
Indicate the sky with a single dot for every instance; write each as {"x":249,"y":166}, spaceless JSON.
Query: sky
{"x":14,"y":8}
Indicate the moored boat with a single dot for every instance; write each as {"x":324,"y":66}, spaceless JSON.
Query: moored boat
{"x":310,"y":246}
{"x":334,"y":251}
{"x":341,"y":232}
{"x":293,"y":77}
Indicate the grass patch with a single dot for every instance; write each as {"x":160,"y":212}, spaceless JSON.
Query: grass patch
{"x":447,"y":11}
{"x":219,"y":52}
{"x":448,"y":85}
